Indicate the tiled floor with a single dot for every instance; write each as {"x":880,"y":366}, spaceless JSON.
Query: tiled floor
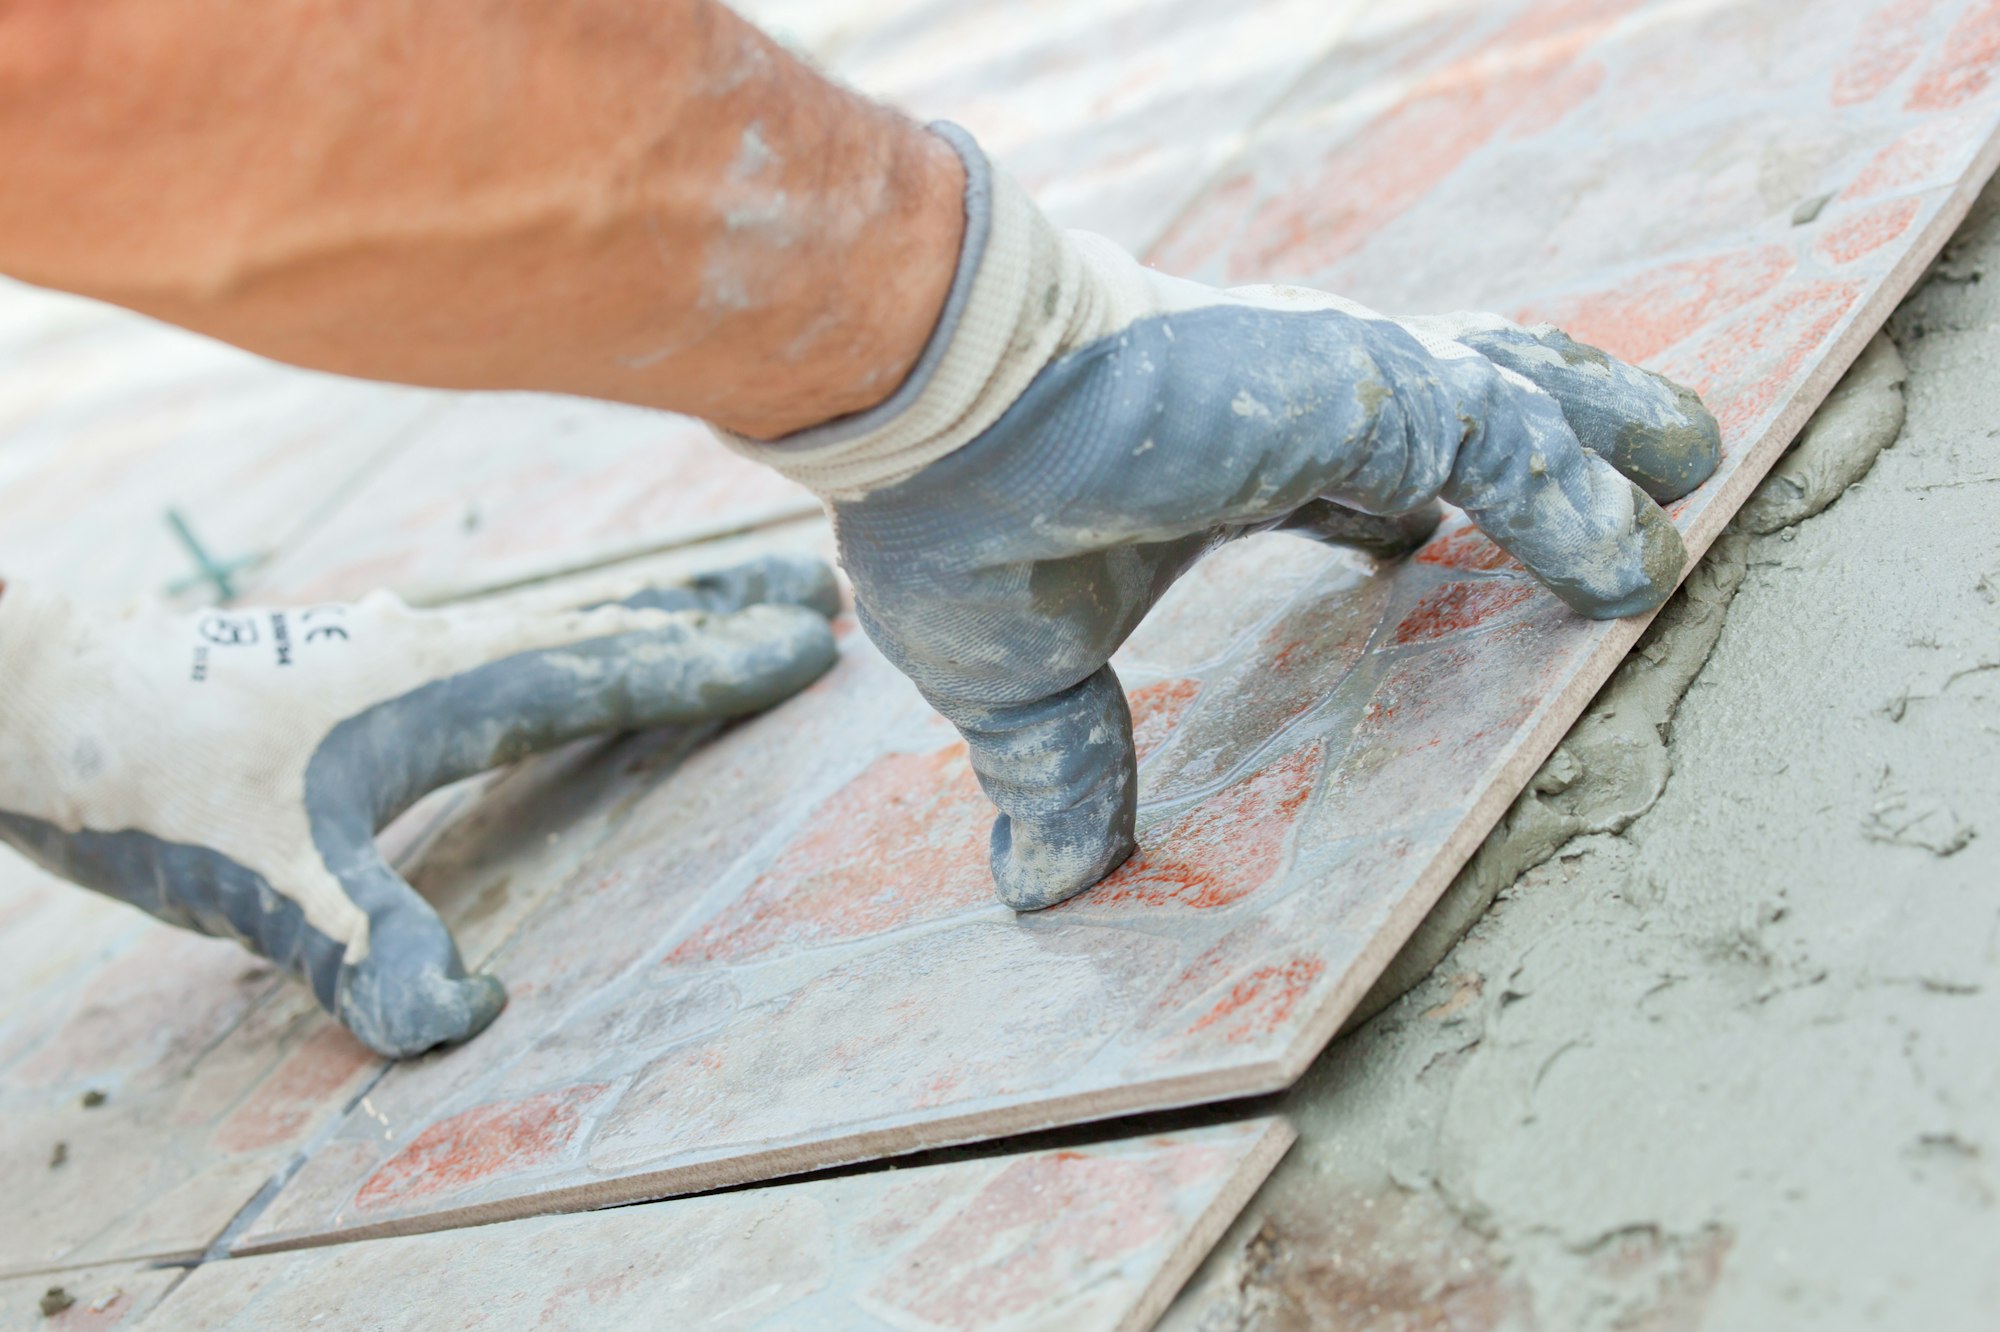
{"x":91,"y":1299}
{"x":500,"y":489}
{"x":154,"y":1080}
{"x":777,"y":951}
{"x":1098,"y":1236}
{"x":107,"y":421}
{"x":787,"y":955}
{"x":1113,"y":114}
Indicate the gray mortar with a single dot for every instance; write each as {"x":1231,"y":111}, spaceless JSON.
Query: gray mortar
{"x":1613,"y":765}
{"x":1732,"y":1067}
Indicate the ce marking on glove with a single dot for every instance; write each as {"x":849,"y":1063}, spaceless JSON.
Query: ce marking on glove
{"x":328,"y":629}
{"x":322,"y":631}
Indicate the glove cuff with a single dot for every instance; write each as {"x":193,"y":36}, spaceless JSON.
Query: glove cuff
{"x":1012,"y":300}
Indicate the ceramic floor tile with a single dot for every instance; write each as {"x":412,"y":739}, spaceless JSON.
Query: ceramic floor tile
{"x":1095,"y":1237}
{"x":339,"y":486}
{"x":152,"y":1092}
{"x":107,"y":420}
{"x":787,"y":955}
{"x":500,"y":489}
{"x":1816,"y":159}
{"x":1113,"y":114}
{"x":820,"y":29}
{"x":91,"y":1299}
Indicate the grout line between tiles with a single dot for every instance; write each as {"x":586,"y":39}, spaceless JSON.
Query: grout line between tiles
{"x":1056,"y":1137}
{"x":247,"y":1215}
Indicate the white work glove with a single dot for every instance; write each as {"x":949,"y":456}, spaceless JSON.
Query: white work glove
{"x":227,"y":770}
{"x":1080,"y":430}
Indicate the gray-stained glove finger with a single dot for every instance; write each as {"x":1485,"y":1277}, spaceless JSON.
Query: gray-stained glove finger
{"x":412,"y":992}
{"x":1081,"y":430}
{"x":1653,"y":430}
{"x":692,"y":667}
{"x":781,"y":578}
{"x":301,"y":733}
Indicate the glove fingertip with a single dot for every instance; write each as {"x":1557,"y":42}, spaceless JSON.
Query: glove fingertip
{"x":1644,"y":580}
{"x":794,"y":645}
{"x":1039,"y":870}
{"x":800,"y":580}
{"x":404,"y":1015}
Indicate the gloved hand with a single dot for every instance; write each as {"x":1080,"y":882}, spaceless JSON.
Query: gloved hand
{"x":1080,"y":430}
{"x":227,"y":770}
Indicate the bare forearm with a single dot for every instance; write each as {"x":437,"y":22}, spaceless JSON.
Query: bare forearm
{"x":642,"y":200}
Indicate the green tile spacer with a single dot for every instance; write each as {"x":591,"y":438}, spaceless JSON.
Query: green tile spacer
{"x":219,"y":575}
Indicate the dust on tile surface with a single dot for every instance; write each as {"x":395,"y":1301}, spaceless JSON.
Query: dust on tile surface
{"x":130,"y":1134}
{"x":787,"y":956}
{"x":90,"y":1299}
{"x":1094,"y":1236}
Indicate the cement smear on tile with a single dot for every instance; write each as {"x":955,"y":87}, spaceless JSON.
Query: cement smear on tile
{"x":1732,"y":1067}
{"x":1615,"y":762}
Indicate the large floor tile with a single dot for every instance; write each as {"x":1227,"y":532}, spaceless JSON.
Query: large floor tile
{"x":787,"y":955}
{"x":502,"y":489}
{"x":108,"y":420}
{"x":154,"y":1081}
{"x":1093,"y":1237}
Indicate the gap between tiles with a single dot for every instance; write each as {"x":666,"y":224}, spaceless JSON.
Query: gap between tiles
{"x":1056,"y":1137}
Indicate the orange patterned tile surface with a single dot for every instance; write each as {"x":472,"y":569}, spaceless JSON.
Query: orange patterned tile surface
{"x":784,"y":957}
{"x":1098,"y":1236}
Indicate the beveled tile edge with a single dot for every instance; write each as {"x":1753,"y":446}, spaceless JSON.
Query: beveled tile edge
{"x":1276,"y":1139}
{"x":774,"y":1165}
